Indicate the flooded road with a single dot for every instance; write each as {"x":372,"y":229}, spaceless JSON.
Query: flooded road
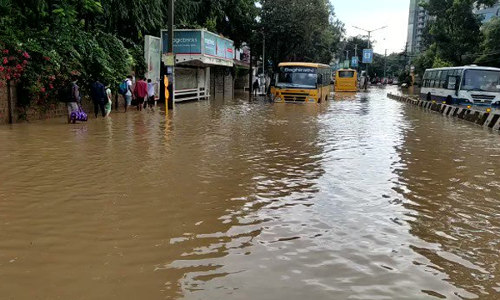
{"x":358,"y":198}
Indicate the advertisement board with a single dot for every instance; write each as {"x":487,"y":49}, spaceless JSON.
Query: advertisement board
{"x":152,"y":55}
{"x":185,"y":42}
{"x":200,"y":46}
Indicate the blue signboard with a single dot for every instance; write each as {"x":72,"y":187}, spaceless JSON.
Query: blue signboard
{"x":197,"y":42}
{"x":354,"y":62}
{"x":367,"y":56}
{"x":185,"y":42}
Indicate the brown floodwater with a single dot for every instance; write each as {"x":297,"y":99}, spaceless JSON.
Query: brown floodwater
{"x":358,"y":198}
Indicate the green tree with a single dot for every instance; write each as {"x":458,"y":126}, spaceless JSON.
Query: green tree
{"x":490,"y":56}
{"x":456,"y":29}
{"x":300,"y":30}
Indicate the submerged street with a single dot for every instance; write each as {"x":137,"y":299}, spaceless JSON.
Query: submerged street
{"x":361,"y":197}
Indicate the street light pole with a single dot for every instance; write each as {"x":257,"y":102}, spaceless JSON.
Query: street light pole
{"x":369,"y":40}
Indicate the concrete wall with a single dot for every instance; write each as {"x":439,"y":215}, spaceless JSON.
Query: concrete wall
{"x":4,"y":105}
{"x":34,"y":112}
{"x":221,"y":83}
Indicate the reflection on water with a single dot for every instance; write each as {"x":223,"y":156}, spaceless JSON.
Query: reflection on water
{"x":357,"y":198}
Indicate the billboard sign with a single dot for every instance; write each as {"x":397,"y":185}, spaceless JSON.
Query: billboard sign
{"x":199,"y":45}
{"x":367,"y":56}
{"x":185,"y":42}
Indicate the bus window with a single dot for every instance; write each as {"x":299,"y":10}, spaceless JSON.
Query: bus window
{"x":346,"y":74}
{"x":444,"y":74}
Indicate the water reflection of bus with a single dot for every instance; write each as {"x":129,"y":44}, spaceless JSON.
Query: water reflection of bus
{"x":346,"y":80}
{"x":301,"y":83}
{"x":462,"y":85}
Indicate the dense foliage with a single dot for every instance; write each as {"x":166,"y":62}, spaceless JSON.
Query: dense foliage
{"x":300,"y":30}
{"x":99,"y":39}
{"x":455,"y":36}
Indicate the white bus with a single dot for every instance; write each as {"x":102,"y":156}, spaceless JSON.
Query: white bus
{"x":469,"y":85}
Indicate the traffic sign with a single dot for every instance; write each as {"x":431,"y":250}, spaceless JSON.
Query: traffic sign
{"x":367,"y":56}
{"x":354,"y":62}
{"x":346,"y":64}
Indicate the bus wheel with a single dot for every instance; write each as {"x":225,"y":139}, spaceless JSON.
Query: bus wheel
{"x":449,"y":100}
{"x":429,"y":97}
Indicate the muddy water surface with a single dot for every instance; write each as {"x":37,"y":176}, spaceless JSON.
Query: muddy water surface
{"x":358,"y":198}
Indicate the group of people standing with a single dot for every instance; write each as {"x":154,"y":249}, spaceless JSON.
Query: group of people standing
{"x":141,"y":95}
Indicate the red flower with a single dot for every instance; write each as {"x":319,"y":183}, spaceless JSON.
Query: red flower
{"x":5,"y":61}
{"x":26,"y":55}
{"x":1,"y":69}
{"x":43,"y":90}
{"x":46,"y":58}
{"x":7,"y":77}
{"x":5,"y":51}
{"x":51,"y":86}
{"x":12,"y":58}
{"x":25,"y":62}
{"x":19,"y":67}
{"x":19,"y":51}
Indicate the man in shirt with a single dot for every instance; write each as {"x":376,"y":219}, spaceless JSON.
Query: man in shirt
{"x":72,"y":104}
{"x":151,"y":93}
{"x":128,"y":94}
{"x":98,"y":95}
{"x":141,"y":92}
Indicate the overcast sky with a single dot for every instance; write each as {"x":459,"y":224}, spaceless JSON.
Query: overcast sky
{"x":373,"y":14}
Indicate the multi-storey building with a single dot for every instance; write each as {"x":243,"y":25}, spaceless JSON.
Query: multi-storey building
{"x":419,"y":18}
{"x":417,"y":21}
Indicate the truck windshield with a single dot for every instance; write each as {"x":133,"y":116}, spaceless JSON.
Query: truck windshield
{"x":300,"y":77}
{"x":481,"y":81}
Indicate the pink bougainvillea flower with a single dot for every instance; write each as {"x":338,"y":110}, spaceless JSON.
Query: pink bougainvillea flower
{"x":5,"y":61}
{"x":43,"y":90}
{"x":51,"y":86}
{"x":7,"y":77}
{"x":26,"y":55}
{"x":25,"y":62}
{"x":1,"y":69}
{"x":5,"y":51}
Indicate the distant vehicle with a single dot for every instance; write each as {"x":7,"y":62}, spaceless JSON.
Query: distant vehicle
{"x":462,"y":85}
{"x":302,"y":82}
{"x":346,"y":80}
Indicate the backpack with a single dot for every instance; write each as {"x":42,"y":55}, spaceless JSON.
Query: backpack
{"x":123,"y":87}
{"x":65,"y":93}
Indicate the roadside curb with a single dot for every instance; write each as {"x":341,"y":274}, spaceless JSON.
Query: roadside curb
{"x":487,"y":119}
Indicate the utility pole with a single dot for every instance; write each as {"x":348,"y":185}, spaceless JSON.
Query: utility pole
{"x":171,"y":87}
{"x":250,"y":75}
{"x":264,"y":60}
{"x":356,"y":55}
{"x":369,"y":40}
{"x":263,"y":53}
{"x":347,"y":54}
{"x":385,"y":63}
